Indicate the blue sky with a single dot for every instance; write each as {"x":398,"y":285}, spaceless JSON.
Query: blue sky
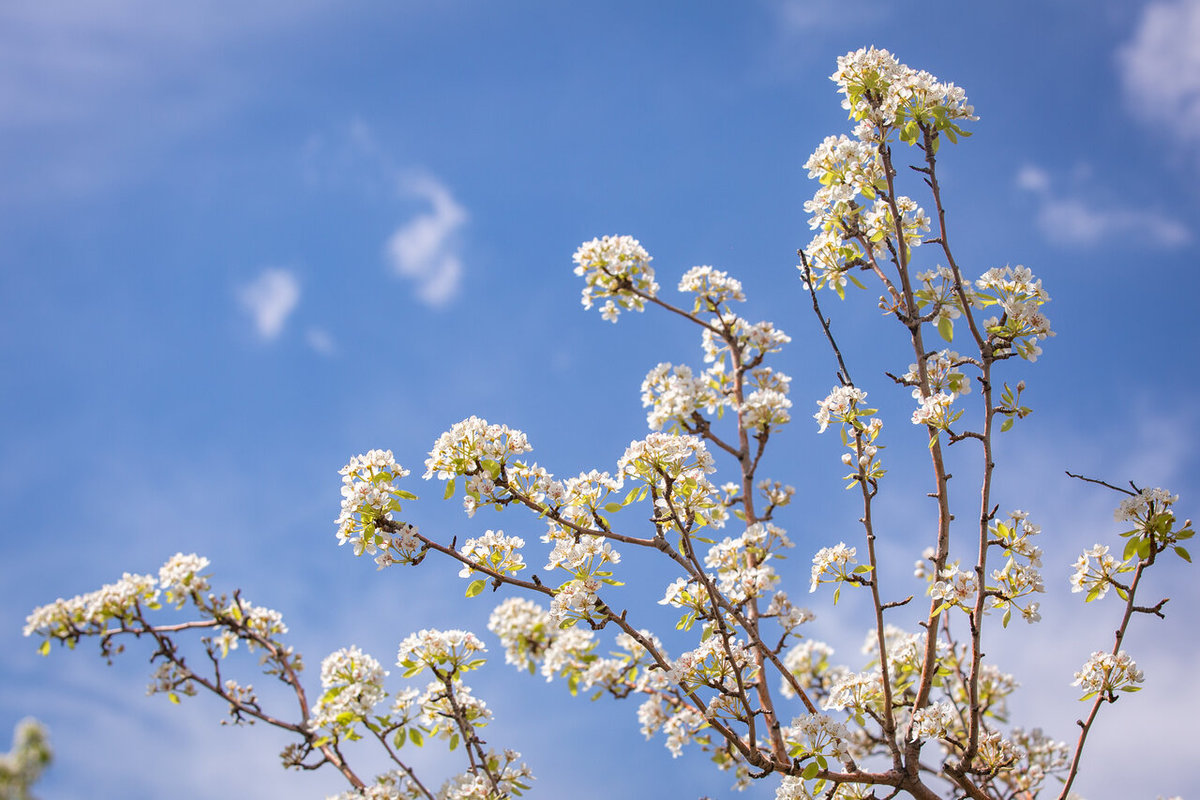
{"x":239,"y":248}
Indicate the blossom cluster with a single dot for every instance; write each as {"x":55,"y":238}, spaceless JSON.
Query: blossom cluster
{"x":905,"y":653}
{"x":932,"y":721}
{"x":444,"y":652}
{"x":1039,"y":757}
{"x":808,"y":664}
{"x":1019,"y":296}
{"x":1142,"y":507}
{"x":674,"y":394}
{"x":91,"y":613}
{"x":955,"y":588}
{"x":832,"y":564}
{"x":495,"y":551}
{"x":712,"y":287}
{"x":353,"y":685}
{"x":468,"y":445}
{"x":940,"y":294}
{"x":616,"y":269}
{"x":817,"y":735}
{"x":1020,"y":576}
{"x":676,"y":469}
{"x":743,"y":563}
{"x":840,"y":405}
{"x":845,"y":405}
{"x":718,"y":663}
{"x":882,"y":94}
{"x":524,"y":628}
{"x":533,"y":642}
{"x":1106,"y":673}
{"x":942,"y":371}
{"x":180,"y":577}
{"x":728,"y":333}
{"x":789,"y":616}
{"x":369,"y":497}
{"x":857,"y":692}
{"x":1096,"y":571}
{"x":856,"y":226}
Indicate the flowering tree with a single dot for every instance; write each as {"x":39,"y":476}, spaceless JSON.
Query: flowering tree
{"x":924,"y":717}
{"x":21,"y":767}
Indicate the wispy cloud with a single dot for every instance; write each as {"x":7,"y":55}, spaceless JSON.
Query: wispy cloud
{"x":97,"y":90}
{"x":425,"y":249}
{"x":796,"y":16}
{"x":1074,"y":218}
{"x":269,"y":300}
{"x":1160,"y":69}
{"x":320,"y":341}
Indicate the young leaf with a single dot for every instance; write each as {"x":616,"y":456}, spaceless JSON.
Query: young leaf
{"x":945,"y":328}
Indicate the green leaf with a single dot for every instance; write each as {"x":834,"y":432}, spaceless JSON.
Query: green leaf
{"x":44,"y":649}
{"x":174,"y":698}
{"x":1178,"y":551}
{"x":415,"y":735}
{"x":449,"y":489}
{"x":810,"y":771}
{"x":1006,"y":425}
{"x":476,"y":587}
{"x":1130,"y":549}
{"x":1007,"y":617}
{"x":613,"y":508}
{"x":453,"y":741}
{"x":945,"y":328}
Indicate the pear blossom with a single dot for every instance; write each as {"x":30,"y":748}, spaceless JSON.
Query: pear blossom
{"x":712,"y":287}
{"x":353,"y":684}
{"x":1095,"y":571}
{"x":1107,"y":673}
{"x":839,"y":406}
{"x":616,"y":269}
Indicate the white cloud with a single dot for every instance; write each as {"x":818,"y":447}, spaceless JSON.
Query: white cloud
{"x":1033,"y":179}
{"x":269,"y":300}
{"x":1160,"y":69}
{"x":320,"y":341}
{"x":424,"y":249}
{"x":94,"y":91}
{"x":1074,"y":218}
{"x":820,"y":15}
